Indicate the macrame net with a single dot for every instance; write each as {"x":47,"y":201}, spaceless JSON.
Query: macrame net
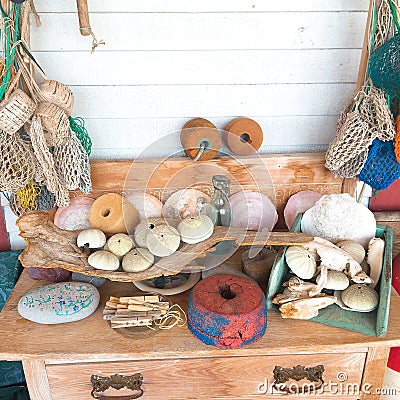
{"x":369,"y":117}
{"x":44,"y":200}
{"x":46,"y":162}
{"x":353,"y":167}
{"x":384,"y":21}
{"x":72,"y":164}
{"x":381,"y":168}
{"x":17,"y":163}
{"x":384,"y":66}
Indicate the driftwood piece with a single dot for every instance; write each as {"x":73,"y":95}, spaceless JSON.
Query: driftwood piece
{"x":51,"y":247}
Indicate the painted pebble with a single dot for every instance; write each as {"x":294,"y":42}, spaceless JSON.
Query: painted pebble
{"x":59,"y":303}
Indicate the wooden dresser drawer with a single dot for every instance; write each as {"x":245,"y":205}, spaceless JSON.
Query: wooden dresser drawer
{"x":206,"y":378}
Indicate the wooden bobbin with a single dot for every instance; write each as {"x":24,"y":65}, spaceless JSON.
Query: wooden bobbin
{"x":55,"y":122}
{"x":59,"y":94}
{"x":243,"y":136}
{"x":15,"y":111}
{"x":197,"y":132}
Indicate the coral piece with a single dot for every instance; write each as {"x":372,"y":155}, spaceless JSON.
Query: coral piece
{"x":339,"y":217}
{"x":305,"y":308}
{"x":376,"y":249}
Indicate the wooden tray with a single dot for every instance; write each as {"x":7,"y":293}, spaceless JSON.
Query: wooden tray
{"x":51,"y":247}
{"x":372,"y":323}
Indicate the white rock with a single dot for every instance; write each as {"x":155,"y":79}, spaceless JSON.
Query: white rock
{"x":339,"y":217}
{"x":59,"y":303}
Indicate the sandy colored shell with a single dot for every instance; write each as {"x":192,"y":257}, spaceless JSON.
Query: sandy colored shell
{"x":301,"y":262}
{"x":119,"y":244}
{"x":336,"y":280}
{"x":163,"y":240}
{"x":195,"y":229}
{"x":354,"y":249}
{"x":360,"y":297}
{"x":137,"y":260}
{"x":183,"y":203}
{"x":144,"y":228}
{"x":104,"y":260}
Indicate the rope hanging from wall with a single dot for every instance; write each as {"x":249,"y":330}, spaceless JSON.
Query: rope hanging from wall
{"x":44,"y":151}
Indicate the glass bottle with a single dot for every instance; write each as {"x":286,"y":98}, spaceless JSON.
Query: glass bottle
{"x":221,"y":208}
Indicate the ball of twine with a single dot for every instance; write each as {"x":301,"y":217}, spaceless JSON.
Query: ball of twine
{"x":59,"y":94}
{"x":15,"y":111}
{"x":55,"y":123}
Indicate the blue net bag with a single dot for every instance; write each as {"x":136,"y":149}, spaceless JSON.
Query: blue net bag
{"x":381,"y":168}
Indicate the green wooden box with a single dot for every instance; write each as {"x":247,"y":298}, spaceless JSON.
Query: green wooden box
{"x":373,"y":323}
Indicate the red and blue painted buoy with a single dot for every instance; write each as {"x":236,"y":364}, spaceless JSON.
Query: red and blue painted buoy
{"x":227,"y":311}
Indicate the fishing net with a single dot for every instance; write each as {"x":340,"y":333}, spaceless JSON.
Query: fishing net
{"x":72,"y":164}
{"x":368,"y":119}
{"x":381,"y":168}
{"x":384,"y":21}
{"x":353,"y":167}
{"x":352,"y":139}
{"x":45,"y":200}
{"x":384,"y":66}
{"x":395,"y":105}
{"x":78,"y":126}
{"x":46,"y":161}
{"x":27,"y":196}
{"x":384,"y":63}
{"x":17,"y":163}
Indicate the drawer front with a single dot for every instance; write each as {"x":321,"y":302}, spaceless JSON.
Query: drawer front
{"x":208,"y":378}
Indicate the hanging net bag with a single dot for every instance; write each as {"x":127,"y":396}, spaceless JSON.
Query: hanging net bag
{"x":17,"y":163}
{"x":381,"y":168}
{"x":46,"y":162}
{"x":366,"y":118}
{"x":353,"y":167}
{"x":72,"y":164}
{"x":384,"y":65}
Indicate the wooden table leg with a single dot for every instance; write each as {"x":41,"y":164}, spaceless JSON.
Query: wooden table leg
{"x":374,"y":372}
{"x":36,"y":379}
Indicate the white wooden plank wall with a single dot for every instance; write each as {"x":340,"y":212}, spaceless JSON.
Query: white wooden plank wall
{"x":291,"y":65}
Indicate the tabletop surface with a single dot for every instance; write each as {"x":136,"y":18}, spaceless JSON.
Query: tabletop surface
{"x":92,"y":339}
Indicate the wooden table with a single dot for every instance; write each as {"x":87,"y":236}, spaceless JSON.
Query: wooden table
{"x":59,"y":360}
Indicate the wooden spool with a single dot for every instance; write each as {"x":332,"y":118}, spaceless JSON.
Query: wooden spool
{"x":15,"y":111}
{"x":243,"y":136}
{"x":59,"y":94}
{"x":259,"y":267}
{"x":55,"y":122}
{"x":200,"y":131}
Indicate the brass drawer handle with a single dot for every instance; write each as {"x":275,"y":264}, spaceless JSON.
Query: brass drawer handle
{"x":297,"y":373}
{"x":116,"y":381}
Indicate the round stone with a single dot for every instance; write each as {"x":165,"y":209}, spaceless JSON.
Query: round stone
{"x":59,"y":303}
{"x":93,"y":280}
